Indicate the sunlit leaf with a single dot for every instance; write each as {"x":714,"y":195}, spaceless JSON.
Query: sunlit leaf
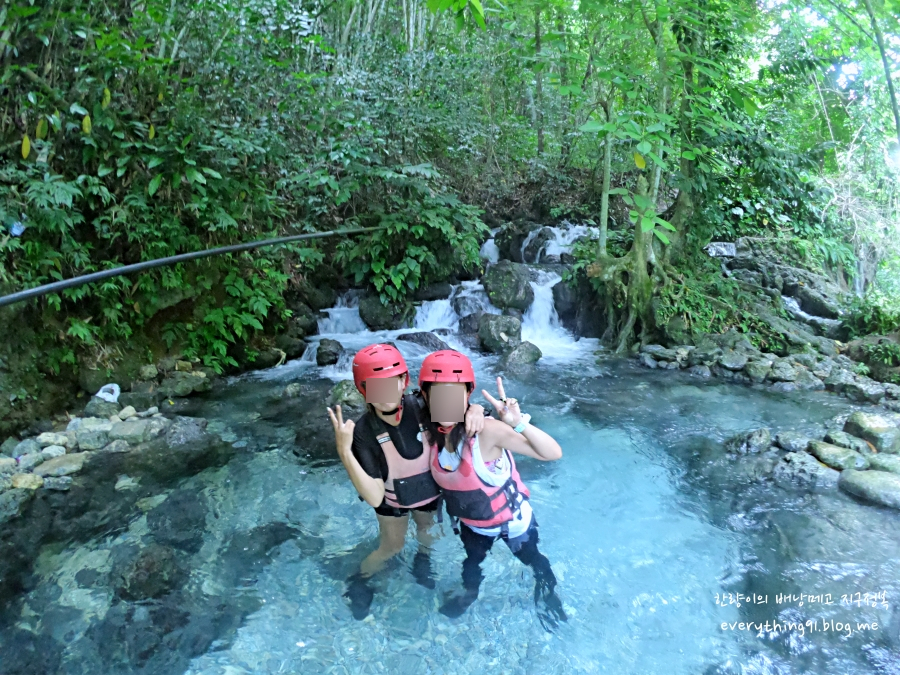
{"x":154,"y":184}
{"x":26,"y":146}
{"x":152,"y":133}
{"x":86,"y":124}
{"x":107,"y":97}
{"x":41,"y":132}
{"x":640,"y":161}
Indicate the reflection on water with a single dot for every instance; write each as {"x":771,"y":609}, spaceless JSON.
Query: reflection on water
{"x":644,"y":519}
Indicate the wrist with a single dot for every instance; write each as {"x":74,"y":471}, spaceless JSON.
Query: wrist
{"x":523,"y":423}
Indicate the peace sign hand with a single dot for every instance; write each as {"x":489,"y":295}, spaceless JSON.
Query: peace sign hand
{"x":343,"y":431}
{"x":507,"y":408}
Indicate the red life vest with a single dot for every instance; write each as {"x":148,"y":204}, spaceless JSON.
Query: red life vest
{"x":472,"y":500}
{"x":409,"y":483}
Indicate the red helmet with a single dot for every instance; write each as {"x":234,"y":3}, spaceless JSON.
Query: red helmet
{"x":377,"y":361}
{"x":447,"y":365}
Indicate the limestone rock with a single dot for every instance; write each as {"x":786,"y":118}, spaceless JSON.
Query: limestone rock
{"x":27,"y":447}
{"x":845,"y":440}
{"x":148,"y":372}
{"x":131,"y":431}
{"x":28,"y":462}
{"x":179,"y":384}
{"x":839,"y":380}
{"x":329,"y":352}
{"x":837,"y":457}
{"x":92,"y":433}
{"x":426,"y":339}
{"x":508,"y":284}
{"x":782,"y":371}
{"x":880,"y":487}
{"x":26,"y":481}
{"x":792,"y":441}
{"x":344,"y":394}
{"x":647,"y":361}
{"x":865,"y":390}
{"x":49,"y":438}
{"x":757,"y":371}
{"x":524,"y":355}
{"x":659,"y":352}
{"x":754,"y":441}
{"x":733,"y":360}
{"x":885,"y":463}
{"x":8,"y":465}
{"x":61,"y":483}
{"x":875,"y":429}
{"x":700,"y":370}
{"x":807,"y":381}
{"x":98,"y":407}
{"x":52,"y":451}
{"x":801,"y":468}
{"x":62,"y":466}
{"x":127,"y":413}
{"x":184,"y":366}
{"x":116,"y":447}
{"x":499,"y":334}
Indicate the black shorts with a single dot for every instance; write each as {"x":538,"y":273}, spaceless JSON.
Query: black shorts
{"x":387,"y":510}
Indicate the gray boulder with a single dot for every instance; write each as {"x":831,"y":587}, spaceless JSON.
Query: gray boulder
{"x":875,"y":429}
{"x":345,"y":394}
{"x":98,"y":407}
{"x":659,"y":352}
{"x":508,"y":284}
{"x":792,"y":441}
{"x":468,"y":325}
{"x":864,"y":389}
{"x":801,"y":468}
{"x":754,"y":441}
{"x":92,"y":433}
{"x":59,"y":483}
{"x":383,"y":317}
{"x":426,"y":339}
{"x":782,"y":371}
{"x":179,"y":384}
{"x":329,"y":352}
{"x":837,"y":457}
{"x":845,"y":440}
{"x":8,"y":447}
{"x":62,"y":466}
{"x":880,"y":487}
{"x":27,"y":447}
{"x":839,"y":379}
{"x":647,"y":361}
{"x":12,"y":503}
{"x":758,"y":370}
{"x":885,"y":463}
{"x":807,"y":381}
{"x":524,"y":355}
{"x":499,"y":334}
{"x":733,"y":360}
{"x":436,"y":291}
{"x":132,"y":431}
{"x":700,"y":371}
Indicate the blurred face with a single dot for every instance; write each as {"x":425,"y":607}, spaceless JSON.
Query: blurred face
{"x":447,"y":401}
{"x":384,"y":392}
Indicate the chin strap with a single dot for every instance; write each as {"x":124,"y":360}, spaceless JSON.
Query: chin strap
{"x":398,"y":411}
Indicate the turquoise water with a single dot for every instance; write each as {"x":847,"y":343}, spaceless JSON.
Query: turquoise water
{"x":644,"y":519}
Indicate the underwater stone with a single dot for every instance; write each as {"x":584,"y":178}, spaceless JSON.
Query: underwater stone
{"x":792,"y":441}
{"x":881,"y":487}
{"x":804,"y":469}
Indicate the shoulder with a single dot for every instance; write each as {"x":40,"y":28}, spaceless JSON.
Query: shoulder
{"x":494,"y":432}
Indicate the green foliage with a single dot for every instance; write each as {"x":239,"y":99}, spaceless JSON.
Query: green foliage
{"x":885,"y":352}
{"x":875,"y":314}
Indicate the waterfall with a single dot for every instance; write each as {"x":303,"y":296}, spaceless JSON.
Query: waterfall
{"x":471,"y":297}
{"x":343,"y":317}
{"x":528,"y":239}
{"x":436,"y":314}
{"x":541,"y":325}
{"x":489,"y":250}
{"x":564,"y":237}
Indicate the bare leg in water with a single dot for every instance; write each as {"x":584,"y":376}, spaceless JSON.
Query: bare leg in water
{"x":392,"y":537}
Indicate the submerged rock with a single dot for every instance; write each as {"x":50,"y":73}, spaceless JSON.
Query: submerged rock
{"x":150,"y":573}
{"x":880,"y":487}
{"x":179,"y":521}
{"x":875,"y":429}
{"x":647,"y":361}
{"x":754,"y":441}
{"x":837,"y":457}
{"x":801,"y":468}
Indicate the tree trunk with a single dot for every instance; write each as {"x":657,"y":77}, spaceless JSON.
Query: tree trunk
{"x":879,"y":37}
{"x":538,"y":82}
{"x":607,"y":162}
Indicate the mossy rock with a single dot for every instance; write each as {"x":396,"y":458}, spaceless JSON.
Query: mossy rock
{"x":378,"y":316}
{"x":508,"y":285}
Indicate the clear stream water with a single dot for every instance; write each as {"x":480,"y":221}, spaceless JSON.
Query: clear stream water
{"x":645,"y":520}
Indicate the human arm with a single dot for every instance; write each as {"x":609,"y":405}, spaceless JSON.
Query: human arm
{"x":370,"y":489}
{"x":531,"y":442}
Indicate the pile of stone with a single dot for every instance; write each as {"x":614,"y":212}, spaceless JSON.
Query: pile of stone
{"x":860,"y":455}
{"x":733,"y":357}
{"x":50,"y":459}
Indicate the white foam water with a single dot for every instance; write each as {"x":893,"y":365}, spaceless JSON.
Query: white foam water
{"x":343,"y":317}
{"x":541,"y":325}
{"x":434,"y":314}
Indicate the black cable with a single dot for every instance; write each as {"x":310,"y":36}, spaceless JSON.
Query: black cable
{"x":57,"y":286}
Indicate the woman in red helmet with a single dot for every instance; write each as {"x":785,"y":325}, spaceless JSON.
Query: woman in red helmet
{"x":388,"y":463}
{"x":479,"y":481}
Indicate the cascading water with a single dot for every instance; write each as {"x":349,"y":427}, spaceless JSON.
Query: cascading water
{"x":343,"y":317}
{"x":564,"y":237}
{"x":541,"y":325}
{"x":489,"y":250}
{"x":471,"y":297}
{"x":434,"y":314}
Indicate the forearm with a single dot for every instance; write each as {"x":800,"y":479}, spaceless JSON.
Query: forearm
{"x":370,"y":489}
{"x":542,"y":443}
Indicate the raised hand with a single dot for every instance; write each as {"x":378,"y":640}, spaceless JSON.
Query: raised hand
{"x":507,"y":408}
{"x":343,"y":431}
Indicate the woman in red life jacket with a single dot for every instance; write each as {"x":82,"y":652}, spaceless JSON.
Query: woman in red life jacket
{"x":479,"y":480}
{"x":388,"y":464}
